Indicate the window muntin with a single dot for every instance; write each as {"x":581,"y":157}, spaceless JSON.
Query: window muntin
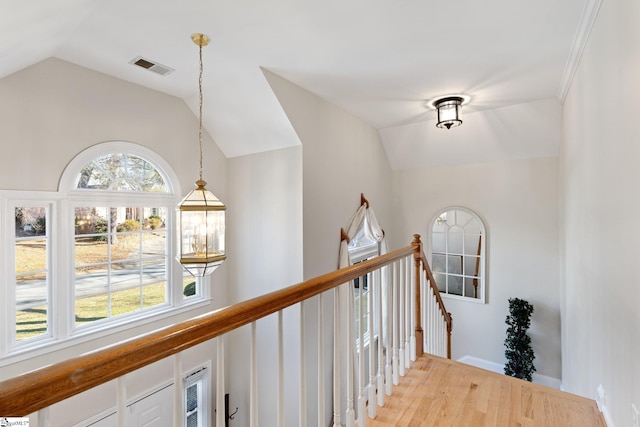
{"x":457,"y":243}
{"x":181,"y":290}
{"x":32,"y":260}
{"x":120,"y":263}
{"x":121,"y":172}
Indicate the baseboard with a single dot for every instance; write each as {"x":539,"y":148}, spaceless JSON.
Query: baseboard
{"x":498,"y":368}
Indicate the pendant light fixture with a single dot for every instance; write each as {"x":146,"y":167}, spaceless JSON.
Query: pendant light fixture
{"x":201,"y":215}
{"x":448,"y":111}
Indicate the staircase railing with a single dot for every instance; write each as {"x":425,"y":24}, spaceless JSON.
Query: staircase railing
{"x":407,"y":277}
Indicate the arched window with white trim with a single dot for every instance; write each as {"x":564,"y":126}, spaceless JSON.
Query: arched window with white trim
{"x":97,"y":254}
{"x":457,"y":252}
{"x":122,"y":205}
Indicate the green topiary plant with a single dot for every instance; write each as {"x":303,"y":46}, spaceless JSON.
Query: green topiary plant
{"x":519,"y":353}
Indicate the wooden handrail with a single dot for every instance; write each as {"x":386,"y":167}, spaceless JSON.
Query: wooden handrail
{"x":33,"y":391}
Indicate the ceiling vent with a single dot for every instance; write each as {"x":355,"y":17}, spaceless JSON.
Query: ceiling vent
{"x":163,"y":70}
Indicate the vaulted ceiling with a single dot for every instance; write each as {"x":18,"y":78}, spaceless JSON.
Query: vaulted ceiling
{"x":380,"y":60}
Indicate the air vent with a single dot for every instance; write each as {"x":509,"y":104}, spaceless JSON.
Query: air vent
{"x":163,"y":70}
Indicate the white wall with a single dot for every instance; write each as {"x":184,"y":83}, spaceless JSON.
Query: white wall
{"x":518,"y":201}
{"x":342,"y":157}
{"x":600,"y":175}
{"x":265,"y":254}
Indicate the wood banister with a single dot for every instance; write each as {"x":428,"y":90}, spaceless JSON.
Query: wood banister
{"x":33,"y":391}
{"x":36,"y":390}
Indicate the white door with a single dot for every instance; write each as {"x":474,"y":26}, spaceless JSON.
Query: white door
{"x":155,"y":410}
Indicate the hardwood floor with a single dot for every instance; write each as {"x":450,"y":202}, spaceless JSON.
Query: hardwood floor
{"x":439,"y":392}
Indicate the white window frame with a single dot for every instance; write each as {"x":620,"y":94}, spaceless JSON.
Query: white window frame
{"x":200,"y":376}
{"x":482,"y":270}
{"x":61,"y":231}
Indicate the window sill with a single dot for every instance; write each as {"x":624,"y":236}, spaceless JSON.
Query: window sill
{"x":107,"y":334}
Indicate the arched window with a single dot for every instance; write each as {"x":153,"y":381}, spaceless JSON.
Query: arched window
{"x":122,"y":207}
{"x":96,"y":254}
{"x":457,"y":253}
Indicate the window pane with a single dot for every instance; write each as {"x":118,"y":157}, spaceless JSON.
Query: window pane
{"x":455,"y":239}
{"x":463,"y":218}
{"x":189,"y":285}
{"x":31,"y":306}
{"x":126,"y":246}
{"x":154,"y":244}
{"x":470,"y":265}
{"x":121,"y":172}
{"x":441,"y":281}
{"x":471,"y":287}
{"x":121,"y":266}
{"x":31,"y":254}
{"x":471,"y":244}
{"x":439,"y":263}
{"x":455,"y":285}
{"x":454,"y":264}
{"x":192,"y":397}
{"x":439,"y":242}
{"x":31,"y":272}
{"x":473,"y":226}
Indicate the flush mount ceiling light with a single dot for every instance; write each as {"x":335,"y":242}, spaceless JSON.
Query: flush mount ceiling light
{"x":448,"y":108}
{"x":201,"y":216}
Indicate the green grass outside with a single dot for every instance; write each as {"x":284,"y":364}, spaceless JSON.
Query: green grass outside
{"x":32,"y":322}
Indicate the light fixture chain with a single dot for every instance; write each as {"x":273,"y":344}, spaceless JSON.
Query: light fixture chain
{"x":200,"y":130}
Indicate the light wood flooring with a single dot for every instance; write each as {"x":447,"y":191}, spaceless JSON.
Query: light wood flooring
{"x":439,"y":392}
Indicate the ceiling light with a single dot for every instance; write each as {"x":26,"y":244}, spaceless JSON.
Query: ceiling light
{"x":201,"y":216}
{"x":448,"y":111}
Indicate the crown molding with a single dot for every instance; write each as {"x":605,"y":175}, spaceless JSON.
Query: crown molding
{"x":587,"y":20}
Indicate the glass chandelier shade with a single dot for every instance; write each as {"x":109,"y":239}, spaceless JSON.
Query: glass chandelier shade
{"x":201,"y":215}
{"x":448,"y":112}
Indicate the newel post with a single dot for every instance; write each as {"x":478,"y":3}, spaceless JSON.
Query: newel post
{"x":417,"y":258}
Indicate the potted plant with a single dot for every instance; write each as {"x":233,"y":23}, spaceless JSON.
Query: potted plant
{"x":519,"y":353}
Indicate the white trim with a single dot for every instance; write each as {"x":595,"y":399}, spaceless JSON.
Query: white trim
{"x":587,"y":20}
{"x":499,"y":369}
{"x":53,"y":346}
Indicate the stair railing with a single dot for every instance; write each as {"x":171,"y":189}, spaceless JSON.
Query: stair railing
{"x":399,"y":334}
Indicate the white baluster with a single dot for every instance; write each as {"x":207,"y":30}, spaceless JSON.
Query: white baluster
{"x":350,"y":342}
{"x":253,"y":393}
{"x":372,"y":362}
{"x":394,"y":317}
{"x":336,"y":357}
{"x":412,"y":320}
{"x":321,"y":386}
{"x":388,"y":374}
{"x":408,"y":313}
{"x":178,"y":390}
{"x":280,"y":398}
{"x":42,"y":418}
{"x":303,"y":377}
{"x":220,"y":415}
{"x":401,"y":332}
{"x":361,"y":361}
{"x":121,"y":401}
{"x":381,"y":338}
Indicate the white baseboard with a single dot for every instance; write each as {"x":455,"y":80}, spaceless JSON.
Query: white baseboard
{"x":498,"y":368}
